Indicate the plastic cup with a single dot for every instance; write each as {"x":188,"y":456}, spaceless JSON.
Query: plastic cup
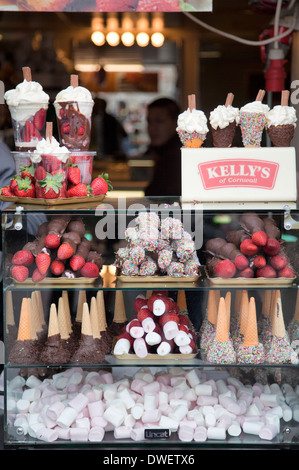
{"x":29,"y":124}
{"x":84,"y":161}
{"x":22,"y":159}
{"x":50,"y":164}
{"x":74,"y":123}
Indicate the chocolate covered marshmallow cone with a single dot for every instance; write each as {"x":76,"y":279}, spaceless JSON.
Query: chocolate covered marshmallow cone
{"x":251,"y":351}
{"x":281,"y":122}
{"x":224,"y":120}
{"x":221,"y":350}
{"x":54,"y":351}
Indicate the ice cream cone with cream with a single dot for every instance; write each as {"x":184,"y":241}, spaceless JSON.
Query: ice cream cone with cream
{"x":223,"y":121}
{"x":253,"y":119}
{"x":281,"y":122}
{"x":192,"y":125}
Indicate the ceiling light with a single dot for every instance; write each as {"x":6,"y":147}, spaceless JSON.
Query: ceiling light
{"x":113,"y":38}
{"x":142,"y":39}
{"x":157,"y":21}
{"x":157,"y":39}
{"x":98,"y":38}
{"x":87,"y":67}
{"x":128,"y":38}
{"x":123,"y":67}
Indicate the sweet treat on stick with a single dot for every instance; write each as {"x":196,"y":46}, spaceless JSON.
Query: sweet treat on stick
{"x":224,"y":120}
{"x":220,"y":248}
{"x":78,"y":259}
{"x":221,"y":350}
{"x":236,"y":237}
{"x":271,"y":228}
{"x":123,"y":344}
{"x":54,"y":351}
{"x":74,"y":107}
{"x":251,"y":351}
{"x":253,"y":118}
{"x":192,"y":125}
{"x":28,"y":104}
{"x":281,"y":122}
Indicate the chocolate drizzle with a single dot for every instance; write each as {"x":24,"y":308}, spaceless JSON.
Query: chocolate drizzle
{"x":77,"y":136}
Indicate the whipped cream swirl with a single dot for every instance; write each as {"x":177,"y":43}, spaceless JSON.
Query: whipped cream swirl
{"x":222,"y":116}
{"x":49,"y":147}
{"x":281,"y":115}
{"x":192,"y":121}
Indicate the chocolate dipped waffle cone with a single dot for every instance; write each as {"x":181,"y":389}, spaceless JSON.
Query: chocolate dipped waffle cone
{"x":223,"y":138}
{"x":181,"y":301}
{"x":244,"y":311}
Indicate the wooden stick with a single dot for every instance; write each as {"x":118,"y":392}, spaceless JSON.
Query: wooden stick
{"x":74,"y":80}
{"x":229,"y":99}
{"x":191,"y":102}
{"x":260,"y":95}
{"x":285,"y":94}
{"x":27,"y":74}
{"x":49,"y":130}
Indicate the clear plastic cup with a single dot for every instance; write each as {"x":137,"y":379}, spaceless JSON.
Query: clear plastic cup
{"x":22,"y":159}
{"x":50,"y":167}
{"x":84,"y":161}
{"x":29,"y":124}
{"x":74,"y":123}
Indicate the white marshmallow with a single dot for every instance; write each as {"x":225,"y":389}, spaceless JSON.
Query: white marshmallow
{"x":67,"y":417}
{"x":268,"y":432}
{"x":234,"y":429}
{"x":122,"y":432}
{"x":203,"y":389}
{"x":216,"y":433}
{"x":252,"y":427}
{"x":200,"y":434}
{"x":33,"y":382}
{"x":55,"y":410}
{"x":137,"y":411}
{"x":79,"y":402}
{"x":79,"y":434}
{"x":46,"y":434}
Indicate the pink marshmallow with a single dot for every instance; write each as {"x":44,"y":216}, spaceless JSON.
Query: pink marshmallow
{"x":200,"y":434}
{"x":62,"y":433}
{"x":137,"y":385}
{"x":203,"y":400}
{"x":185,"y":433}
{"x":98,"y":421}
{"x":96,"y":434}
{"x":79,"y":434}
{"x":96,"y":408}
{"x":47,"y":435}
{"x":55,"y":410}
{"x":79,"y":402}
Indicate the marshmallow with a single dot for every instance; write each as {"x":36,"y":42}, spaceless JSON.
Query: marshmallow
{"x":268,"y":432}
{"x":185,"y":433}
{"x":200,"y":434}
{"x":252,"y":427}
{"x":216,"y":433}
{"x":114,"y":415}
{"x":33,"y":382}
{"x":137,"y":410}
{"x":234,"y":429}
{"x":151,"y":416}
{"x":79,"y":434}
{"x":55,"y":410}
{"x":79,"y":402}
{"x":122,"y":432}
{"x":203,"y":389}
{"x":96,"y":408}
{"x":67,"y":417}
{"x":47,"y":435}
{"x":192,"y":378}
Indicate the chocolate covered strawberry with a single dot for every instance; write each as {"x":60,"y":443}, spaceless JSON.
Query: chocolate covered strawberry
{"x":259,"y":238}
{"x":225,"y":268}
{"x":90,"y":270}
{"x":101,"y":185}
{"x":249,"y":248}
{"x":272,"y":247}
{"x":158,"y":5}
{"x":57,"y":267}
{"x":286,"y":272}
{"x":23,"y":257}
{"x":267,"y":272}
{"x":43,"y":262}
{"x":52,"y":241}
{"x":278,"y":262}
{"x":19,"y":273}
{"x":37,"y":276}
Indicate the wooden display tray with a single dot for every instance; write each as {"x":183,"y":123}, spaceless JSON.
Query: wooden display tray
{"x":248,"y":282}
{"x":157,"y":279}
{"x":156,"y":357}
{"x":52,"y":202}
{"x":57,"y":281}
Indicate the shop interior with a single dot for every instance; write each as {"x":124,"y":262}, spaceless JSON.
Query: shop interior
{"x":127,"y":76}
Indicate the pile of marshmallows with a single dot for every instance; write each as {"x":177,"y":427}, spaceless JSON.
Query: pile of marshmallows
{"x":81,"y":406}
{"x":158,"y":327}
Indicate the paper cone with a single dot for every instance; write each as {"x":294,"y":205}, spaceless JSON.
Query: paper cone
{"x":81,"y":301}
{"x":67,"y":310}
{"x":101,"y":310}
{"x":62,"y":320}
{"x":212,"y":307}
{"x":266,"y":303}
{"x":221,"y":327}
{"x":24,"y":322}
{"x":94,"y":318}
{"x":243,"y":311}
{"x":53,"y":328}
{"x":251,"y":335}
{"x":228,"y":308}
{"x":33,"y":319}
{"x":296,"y":313}
{"x":278,"y":326}
{"x":10,"y":318}
{"x":181,"y":301}
{"x":119,"y":308}
{"x":86,"y":323}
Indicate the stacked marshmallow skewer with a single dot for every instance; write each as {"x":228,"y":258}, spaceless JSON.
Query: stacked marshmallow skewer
{"x":158,"y":327}
{"x":80,"y":406}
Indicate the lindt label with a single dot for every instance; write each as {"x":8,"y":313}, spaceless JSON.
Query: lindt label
{"x":238,"y":173}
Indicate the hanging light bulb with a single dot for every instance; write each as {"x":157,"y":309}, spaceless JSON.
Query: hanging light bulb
{"x":127,"y":38}
{"x":157,"y":39}
{"x":127,"y":25}
{"x":142,"y":39}
{"x":98,"y":38}
{"x":112,"y":37}
{"x":97,"y":26}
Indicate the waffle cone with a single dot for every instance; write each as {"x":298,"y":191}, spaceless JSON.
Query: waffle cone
{"x":53,"y":328}
{"x":36,"y":312}
{"x":274,"y":296}
{"x":101,"y":310}
{"x":40,"y":308}
{"x":281,"y":136}
{"x":81,"y":301}
{"x":94,"y":318}
{"x":10,"y":319}
{"x":278,"y":326}
{"x":181,"y":300}
{"x":33,"y":320}
{"x":119,"y":308}
{"x":86,"y":323}
{"x":228,"y":307}
{"x":67,"y":310}
{"x":244,"y":311}
{"x":266,"y":303}
{"x":148,"y":294}
{"x":24,"y":322}
{"x":212,"y":307}
{"x":221,"y":327}
{"x":237,"y":303}
{"x":296,"y":313}
{"x":62,"y":320}
{"x":251,"y":335}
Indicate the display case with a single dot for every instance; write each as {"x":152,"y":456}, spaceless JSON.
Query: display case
{"x":66,"y":383}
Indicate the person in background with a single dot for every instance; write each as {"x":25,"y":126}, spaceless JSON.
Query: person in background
{"x":164,"y":148}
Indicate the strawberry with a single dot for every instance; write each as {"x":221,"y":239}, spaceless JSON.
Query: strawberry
{"x":24,"y":188}
{"x":267,"y":271}
{"x":259,"y":238}
{"x":52,"y":241}
{"x":77,"y":262}
{"x":43,"y":261}
{"x":272,"y":247}
{"x":278,"y":262}
{"x":286,"y":272}
{"x":23,"y":258}
{"x":37,"y":276}
{"x":225,"y":268}
{"x":247,"y":272}
{"x":30,"y":132}
{"x":248,"y":248}
{"x":6,"y":191}
{"x":81,"y":131}
{"x":50,"y":163}
{"x":27,"y":171}
{"x":65,"y":128}
{"x":14,"y":183}
{"x":39,"y":119}
{"x":57,"y":267}
{"x":241,"y":262}
{"x":51,"y":186}
{"x":101,"y":185}
{"x":90,"y":270}
{"x":259,"y":261}
{"x":19,"y":273}
{"x":81,"y":160}
{"x":73,"y":174}
{"x":40,"y":173}
{"x":65,"y":251}
{"x":78,"y":190}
